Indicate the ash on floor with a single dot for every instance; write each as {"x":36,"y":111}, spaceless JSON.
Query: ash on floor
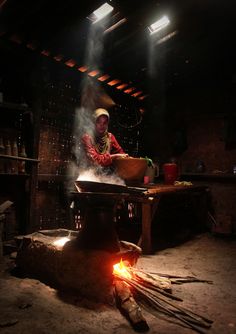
{"x":29,"y":306}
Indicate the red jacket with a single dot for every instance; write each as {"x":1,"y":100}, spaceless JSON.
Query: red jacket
{"x":96,"y":157}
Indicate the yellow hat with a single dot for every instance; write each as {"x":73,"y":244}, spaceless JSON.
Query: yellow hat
{"x":101,"y":112}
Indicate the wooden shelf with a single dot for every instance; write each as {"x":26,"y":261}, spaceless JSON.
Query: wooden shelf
{"x":209,"y":176}
{"x":17,"y":119}
{"x":14,"y":175}
{"x":52,"y":177}
{"x":13,"y":157}
{"x":14,"y":106}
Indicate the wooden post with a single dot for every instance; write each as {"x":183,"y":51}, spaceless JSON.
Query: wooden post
{"x":148,"y":212}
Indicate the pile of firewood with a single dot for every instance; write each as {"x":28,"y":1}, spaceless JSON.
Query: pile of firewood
{"x":153,"y":291}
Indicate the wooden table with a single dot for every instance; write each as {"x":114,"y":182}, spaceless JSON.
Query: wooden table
{"x":149,"y":201}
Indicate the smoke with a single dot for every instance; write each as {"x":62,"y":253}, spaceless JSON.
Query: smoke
{"x":92,"y":96}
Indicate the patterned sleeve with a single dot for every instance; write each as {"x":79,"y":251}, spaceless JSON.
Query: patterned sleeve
{"x":115,"y":146}
{"x":95,"y":157}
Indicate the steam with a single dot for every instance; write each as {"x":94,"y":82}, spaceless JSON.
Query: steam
{"x":90,"y":175}
{"x":92,"y":96}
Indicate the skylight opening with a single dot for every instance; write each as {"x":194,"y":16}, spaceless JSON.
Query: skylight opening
{"x":158,"y":25}
{"x":101,"y":12}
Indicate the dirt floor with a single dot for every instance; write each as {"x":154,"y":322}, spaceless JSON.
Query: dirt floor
{"x":29,"y":306}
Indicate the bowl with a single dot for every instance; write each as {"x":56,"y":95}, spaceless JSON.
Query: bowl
{"x":130,"y":169}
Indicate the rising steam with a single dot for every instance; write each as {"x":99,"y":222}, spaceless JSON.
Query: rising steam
{"x":93,"y":96}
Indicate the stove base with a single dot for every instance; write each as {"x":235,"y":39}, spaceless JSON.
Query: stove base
{"x":85,"y":272}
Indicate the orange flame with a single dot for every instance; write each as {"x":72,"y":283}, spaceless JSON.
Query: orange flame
{"x":120,"y":269}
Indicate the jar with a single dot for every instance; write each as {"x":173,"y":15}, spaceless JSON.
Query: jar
{"x":234,"y":169}
{"x":200,"y":166}
{"x":171,"y":172}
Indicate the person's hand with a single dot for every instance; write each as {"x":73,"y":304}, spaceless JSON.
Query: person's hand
{"x":119,"y":155}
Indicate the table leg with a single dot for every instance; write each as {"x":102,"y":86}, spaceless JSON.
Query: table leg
{"x":148,"y":213}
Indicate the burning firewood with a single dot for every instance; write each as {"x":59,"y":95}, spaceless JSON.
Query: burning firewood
{"x":128,"y":306}
{"x":129,"y":251}
{"x":152,"y":292}
{"x":156,"y":282}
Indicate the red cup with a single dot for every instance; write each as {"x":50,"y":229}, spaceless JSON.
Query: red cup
{"x":146,"y":179}
{"x":170,"y":173}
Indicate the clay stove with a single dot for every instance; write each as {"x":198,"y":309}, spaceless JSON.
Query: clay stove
{"x":98,"y":230}
{"x":99,"y":201}
{"x":85,"y":263}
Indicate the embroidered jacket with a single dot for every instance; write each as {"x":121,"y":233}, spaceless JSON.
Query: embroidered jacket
{"x":94,"y":156}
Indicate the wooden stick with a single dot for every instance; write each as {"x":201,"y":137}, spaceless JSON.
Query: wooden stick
{"x":163,"y":283}
{"x":180,"y":279}
{"x":148,"y":284}
{"x":155,"y":288}
{"x":182,"y":309}
{"x":172,"y":313}
{"x":128,"y":305}
{"x":156,"y":301}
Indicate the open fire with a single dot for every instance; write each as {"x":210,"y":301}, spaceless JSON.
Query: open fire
{"x":121,"y":270}
{"x":153,"y":291}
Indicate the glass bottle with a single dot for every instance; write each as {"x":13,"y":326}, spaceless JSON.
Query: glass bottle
{"x":8,"y":151}
{"x":2,"y":151}
{"x":14,"y":165}
{"x":21,"y":163}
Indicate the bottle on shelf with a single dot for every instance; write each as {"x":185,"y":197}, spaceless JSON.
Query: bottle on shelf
{"x":21,"y":163}
{"x":1,"y":91}
{"x":8,"y":151}
{"x":14,"y":164}
{"x":2,"y":151}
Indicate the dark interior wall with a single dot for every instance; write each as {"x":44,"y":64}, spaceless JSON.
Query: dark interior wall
{"x":205,"y":118}
{"x":198,"y":122}
{"x":207,"y":142}
{"x":194,"y":122}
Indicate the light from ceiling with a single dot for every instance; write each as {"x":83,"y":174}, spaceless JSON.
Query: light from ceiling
{"x":167,"y":37}
{"x":46,"y":53}
{"x":83,"y":69}
{"x":104,"y":77}
{"x":70,"y":63}
{"x":58,"y":57}
{"x":32,"y":45}
{"x":93,"y":73}
{"x":137,"y":93}
{"x":142,"y":97}
{"x":113,"y":82}
{"x":102,"y":11}
{"x":158,"y":25}
{"x":122,"y":86}
{"x":129,"y":90}
{"x":115,"y":25}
